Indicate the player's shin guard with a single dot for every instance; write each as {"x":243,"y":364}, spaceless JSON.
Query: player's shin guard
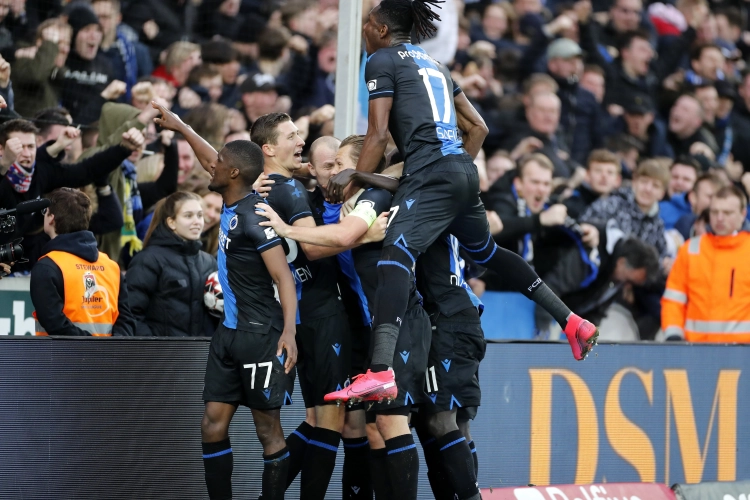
{"x":217,"y":464}
{"x":275,"y":471}
{"x":381,"y":484}
{"x":395,"y":274}
{"x":297,"y":444}
{"x":355,"y":481}
{"x":403,"y":466}
{"x":473,"y":449}
{"x":459,"y":465}
{"x":320,"y":459}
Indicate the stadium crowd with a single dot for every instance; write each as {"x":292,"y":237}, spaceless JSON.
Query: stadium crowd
{"x":614,"y":126}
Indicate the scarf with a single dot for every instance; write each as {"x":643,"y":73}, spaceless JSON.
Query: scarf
{"x":20,"y":178}
{"x":132,"y":209}
{"x":127,"y":52}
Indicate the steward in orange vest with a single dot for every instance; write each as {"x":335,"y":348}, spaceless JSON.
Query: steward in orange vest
{"x":77,"y":290}
{"x":707,"y":298}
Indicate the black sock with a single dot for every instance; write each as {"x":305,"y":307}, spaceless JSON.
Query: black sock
{"x":217,"y":464}
{"x":381,"y":485}
{"x":458,"y":464}
{"x":476,"y":459}
{"x":403,"y":466}
{"x":320,"y":459}
{"x":275,"y":471}
{"x":297,"y":444}
{"x":517,"y":273}
{"x":355,"y":480}
{"x":441,"y":488}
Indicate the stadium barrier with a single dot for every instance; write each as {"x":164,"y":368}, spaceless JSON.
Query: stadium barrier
{"x":710,"y":491}
{"x":96,"y":418}
{"x":609,"y":491}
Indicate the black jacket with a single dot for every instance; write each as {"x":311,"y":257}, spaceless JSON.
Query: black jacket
{"x":83,"y":83}
{"x":166,"y":281}
{"x":48,"y":288}
{"x":580,"y":200}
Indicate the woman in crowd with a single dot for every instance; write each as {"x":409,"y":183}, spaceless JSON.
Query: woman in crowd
{"x":166,"y":280}
{"x":211,"y":215}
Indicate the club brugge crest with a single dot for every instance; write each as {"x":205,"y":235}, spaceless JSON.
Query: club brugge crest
{"x":233,"y":223}
{"x":89,"y":283}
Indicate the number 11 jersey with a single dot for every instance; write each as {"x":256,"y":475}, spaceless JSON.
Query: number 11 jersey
{"x":423,"y":116}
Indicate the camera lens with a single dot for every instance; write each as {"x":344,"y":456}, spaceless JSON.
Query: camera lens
{"x":11,"y":252}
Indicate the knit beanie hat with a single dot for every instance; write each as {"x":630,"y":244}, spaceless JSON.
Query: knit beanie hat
{"x":80,"y":17}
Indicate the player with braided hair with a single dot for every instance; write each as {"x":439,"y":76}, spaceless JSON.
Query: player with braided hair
{"x":438,"y":133}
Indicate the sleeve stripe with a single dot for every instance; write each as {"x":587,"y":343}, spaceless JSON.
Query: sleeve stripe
{"x":299,"y":216}
{"x":269,"y":243}
{"x":382,"y":92}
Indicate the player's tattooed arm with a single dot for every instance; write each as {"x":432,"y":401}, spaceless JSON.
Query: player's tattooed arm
{"x":471,"y":124}
{"x":206,"y":154}
{"x":275,"y":261}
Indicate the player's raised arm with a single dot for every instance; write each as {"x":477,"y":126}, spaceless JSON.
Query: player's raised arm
{"x":275,"y":262}
{"x":471,"y":124}
{"x":206,"y":154}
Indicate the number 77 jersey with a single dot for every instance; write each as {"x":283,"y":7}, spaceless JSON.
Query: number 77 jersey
{"x":423,"y":116}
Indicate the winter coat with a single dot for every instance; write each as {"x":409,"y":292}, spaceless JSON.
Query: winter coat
{"x":83,"y":83}
{"x":166,"y":281}
{"x":621,"y":207}
{"x":37,"y":80}
{"x":671,"y":210}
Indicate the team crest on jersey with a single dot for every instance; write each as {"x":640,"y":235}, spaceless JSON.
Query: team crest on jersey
{"x":270,"y":233}
{"x":233,"y":223}
{"x":372,"y":85}
{"x":89,"y":283}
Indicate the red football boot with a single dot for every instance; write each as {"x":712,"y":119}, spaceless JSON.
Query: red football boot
{"x":581,"y":335}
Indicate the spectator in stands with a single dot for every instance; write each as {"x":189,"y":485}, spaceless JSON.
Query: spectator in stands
{"x":51,"y":122}
{"x":212,"y":204}
{"x":180,"y":60}
{"x":186,"y":159}
{"x":210,"y":121}
{"x":497,"y":165}
{"x":323,"y":86}
{"x":541,"y":133}
{"x":639,"y":118}
{"x":29,"y":172}
{"x":88,"y":81}
{"x":221,"y":55}
{"x":636,"y":209}
{"x":706,"y":64}
{"x":593,"y":80}
{"x":707,"y":298}
{"x":129,"y":58}
{"x":72,"y":276}
{"x":682,"y":177}
{"x":159,"y":23}
{"x":166,"y":280}
{"x":686,"y":126}
{"x":204,"y":85}
{"x":724,"y":130}
{"x":259,"y":95}
{"x":699,"y":199}
{"x":36,"y":70}
{"x":220,"y":18}
{"x":602,"y":177}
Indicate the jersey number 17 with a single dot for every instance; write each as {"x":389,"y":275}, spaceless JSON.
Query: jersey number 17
{"x":427,"y":74}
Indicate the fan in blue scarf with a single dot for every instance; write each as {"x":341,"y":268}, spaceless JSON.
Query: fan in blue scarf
{"x":127,"y":52}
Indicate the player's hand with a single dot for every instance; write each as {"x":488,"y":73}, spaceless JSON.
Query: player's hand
{"x":167,"y":120}
{"x":287,"y":342}
{"x":496,"y":225}
{"x":590,"y":236}
{"x":338,"y":183}
{"x":377,"y":230}
{"x":554,"y":215}
{"x":133,"y":139}
{"x":274,"y":221}
{"x":114,"y":90}
{"x":263,"y":185}
{"x":4,"y":269}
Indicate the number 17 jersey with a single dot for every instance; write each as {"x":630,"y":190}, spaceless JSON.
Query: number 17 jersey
{"x":423,"y":116}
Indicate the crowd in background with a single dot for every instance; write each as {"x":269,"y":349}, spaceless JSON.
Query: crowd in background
{"x":612,"y":125}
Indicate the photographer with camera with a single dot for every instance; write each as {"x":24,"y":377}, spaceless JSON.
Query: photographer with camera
{"x":77,"y":290}
{"x":28,"y":172}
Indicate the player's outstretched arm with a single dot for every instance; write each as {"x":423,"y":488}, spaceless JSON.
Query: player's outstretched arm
{"x":206,"y":154}
{"x":344,"y":234}
{"x":275,"y":261}
{"x":471,"y":124}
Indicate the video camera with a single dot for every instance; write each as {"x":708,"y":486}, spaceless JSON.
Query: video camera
{"x":13,"y":251}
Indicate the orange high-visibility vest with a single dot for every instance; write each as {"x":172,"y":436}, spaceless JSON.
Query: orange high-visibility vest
{"x":707,"y":298}
{"x":91,"y":292}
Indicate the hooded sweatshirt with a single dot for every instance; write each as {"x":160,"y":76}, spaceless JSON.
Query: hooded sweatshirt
{"x":48,"y":287}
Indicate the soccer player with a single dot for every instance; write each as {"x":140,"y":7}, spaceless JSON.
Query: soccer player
{"x":393,"y":458}
{"x":323,"y":328}
{"x":451,"y":383}
{"x":253,"y":350}
{"x":414,"y":97}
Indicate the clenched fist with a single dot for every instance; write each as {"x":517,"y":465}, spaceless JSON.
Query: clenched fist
{"x":133,"y":139}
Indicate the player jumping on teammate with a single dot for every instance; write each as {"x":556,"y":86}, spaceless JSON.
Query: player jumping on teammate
{"x":414,"y":97}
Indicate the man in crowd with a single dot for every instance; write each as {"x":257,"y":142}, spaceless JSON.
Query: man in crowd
{"x":707,"y":298}
{"x":602,"y":177}
{"x":699,"y":199}
{"x":686,"y":126}
{"x":682,"y":177}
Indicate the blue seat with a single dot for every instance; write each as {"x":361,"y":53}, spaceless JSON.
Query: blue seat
{"x":508,"y":315}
